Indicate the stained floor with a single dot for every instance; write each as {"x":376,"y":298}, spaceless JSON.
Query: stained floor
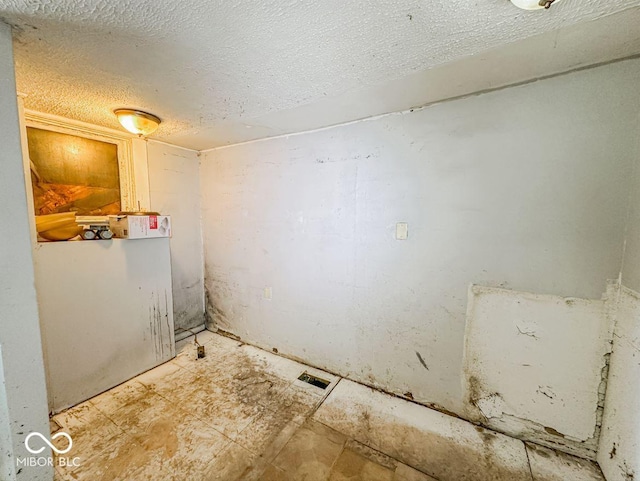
{"x":240,"y":413}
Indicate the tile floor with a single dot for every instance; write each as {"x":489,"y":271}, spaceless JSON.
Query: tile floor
{"x":241,"y":414}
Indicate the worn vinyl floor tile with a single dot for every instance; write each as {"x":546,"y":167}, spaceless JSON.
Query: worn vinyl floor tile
{"x":138,"y":415}
{"x":407,"y":473}
{"x":114,"y":464}
{"x":187,"y":356}
{"x":225,"y":411}
{"x":92,"y":431}
{"x":242,"y":379}
{"x":119,"y":396}
{"x":276,"y":474}
{"x":217,"y":349}
{"x":232,"y":464}
{"x":57,"y":475}
{"x":297,"y":401}
{"x":169,"y":448}
{"x":288,"y":370}
{"x":371,"y":454}
{"x":54,"y":427}
{"x":282,"y":367}
{"x":550,"y":465}
{"x":184,"y":447}
{"x":401,"y":472}
{"x":240,"y":374}
{"x":352,"y":466}
{"x":310,"y":453}
{"x":252,"y":386}
{"x":180,"y":384}
{"x":271,"y":363}
{"x":158,"y":375}
{"x":263,"y":430}
{"x":298,"y":410}
{"x":442,"y":446}
{"x":270,"y":451}
{"x":241,"y":414}
{"x":215,"y":352}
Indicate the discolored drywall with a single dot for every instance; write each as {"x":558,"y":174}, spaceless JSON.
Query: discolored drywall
{"x":299,"y":232}
{"x":174,"y":190}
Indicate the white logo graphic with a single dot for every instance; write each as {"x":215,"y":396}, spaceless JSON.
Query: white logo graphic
{"x":55,"y":436}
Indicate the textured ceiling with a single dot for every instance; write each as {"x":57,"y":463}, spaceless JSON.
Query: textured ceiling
{"x":221,"y":71}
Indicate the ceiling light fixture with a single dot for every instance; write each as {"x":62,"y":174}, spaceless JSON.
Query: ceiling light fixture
{"x":137,"y":122}
{"x":533,"y":4}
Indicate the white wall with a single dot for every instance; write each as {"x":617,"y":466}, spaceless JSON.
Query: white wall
{"x":523,"y":188}
{"x":23,"y":401}
{"x":106,"y":312}
{"x":631,"y":267}
{"x":175,"y":190}
{"x":619,"y":452}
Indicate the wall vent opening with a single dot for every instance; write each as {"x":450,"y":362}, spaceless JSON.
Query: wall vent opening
{"x":314,"y":381}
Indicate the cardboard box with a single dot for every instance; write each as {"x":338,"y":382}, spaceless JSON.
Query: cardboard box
{"x":140,"y":226}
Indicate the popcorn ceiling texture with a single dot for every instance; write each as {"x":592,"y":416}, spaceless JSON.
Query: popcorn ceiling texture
{"x":200,"y":63}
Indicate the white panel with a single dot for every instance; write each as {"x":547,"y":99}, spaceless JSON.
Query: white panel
{"x":106,"y":312}
{"x":619,"y":452}
{"x":535,"y":358}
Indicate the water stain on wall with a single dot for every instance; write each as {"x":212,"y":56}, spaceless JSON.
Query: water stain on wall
{"x":215,"y":317}
{"x":159,"y":325}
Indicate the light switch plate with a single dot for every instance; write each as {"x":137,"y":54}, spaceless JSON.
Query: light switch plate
{"x":268,"y":293}
{"x":402,"y":231}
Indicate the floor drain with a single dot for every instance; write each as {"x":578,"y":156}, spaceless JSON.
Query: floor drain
{"x":314,"y":381}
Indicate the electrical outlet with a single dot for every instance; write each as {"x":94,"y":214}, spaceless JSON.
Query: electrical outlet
{"x":402,"y":231}
{"x":267,"y":294}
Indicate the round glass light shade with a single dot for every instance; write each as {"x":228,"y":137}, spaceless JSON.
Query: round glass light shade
{"x":528,"y":4}
{"x":137,"y":122}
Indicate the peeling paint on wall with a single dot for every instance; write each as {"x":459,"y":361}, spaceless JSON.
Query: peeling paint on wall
{"x":620,"y":437}
{"x":535,"y":365}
